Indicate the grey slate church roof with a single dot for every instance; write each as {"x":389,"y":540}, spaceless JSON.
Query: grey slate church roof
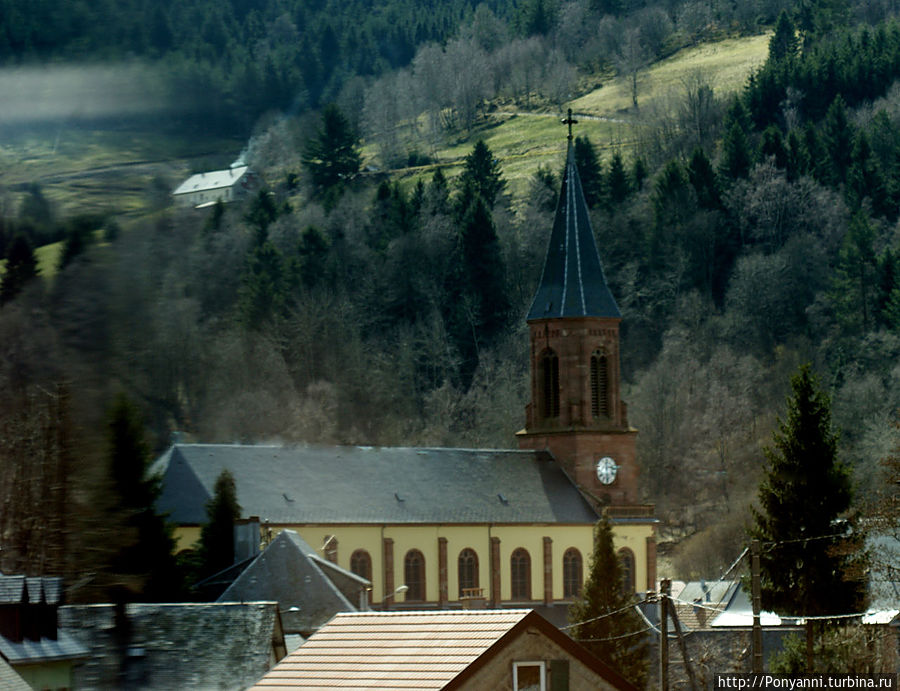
{"x":572,"y":282}
{"x":355,"y":484}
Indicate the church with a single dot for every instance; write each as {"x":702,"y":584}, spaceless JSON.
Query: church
{"x":450,"y":528}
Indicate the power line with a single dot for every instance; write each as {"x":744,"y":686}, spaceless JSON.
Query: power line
{"x":614,"y":638}
{"x":735,"y":564}
{"x":604,"y":616}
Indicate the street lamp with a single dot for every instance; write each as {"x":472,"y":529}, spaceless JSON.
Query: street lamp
{"x":397,"y":591}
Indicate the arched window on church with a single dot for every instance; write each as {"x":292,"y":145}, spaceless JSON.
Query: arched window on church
{"x":599,"y":384}
{"x":573,"y":573}
{"x":414,"y":575}
{"x":549,"y":382}
{"x":520,"y":573}
{"x":626,"y":561}
{"x":361,"y":564}
{"x":468,"y":571}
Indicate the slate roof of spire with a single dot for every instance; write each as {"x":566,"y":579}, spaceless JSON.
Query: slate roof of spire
{"x":572,"y":282}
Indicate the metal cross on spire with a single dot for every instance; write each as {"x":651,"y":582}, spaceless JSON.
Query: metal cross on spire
{"x":570,"y":121}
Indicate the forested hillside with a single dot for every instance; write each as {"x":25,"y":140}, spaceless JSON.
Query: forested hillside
{"x":374,"y":289}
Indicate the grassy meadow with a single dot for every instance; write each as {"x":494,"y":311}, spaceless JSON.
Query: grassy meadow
{"x":524,"y":141}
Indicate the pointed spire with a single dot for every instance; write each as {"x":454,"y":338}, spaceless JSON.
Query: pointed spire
{"x":572,"y":282}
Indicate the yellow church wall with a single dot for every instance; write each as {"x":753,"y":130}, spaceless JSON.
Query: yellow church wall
{"x":186,"y":537}
{"x":634,"y":537}
{"x":459,"y":537}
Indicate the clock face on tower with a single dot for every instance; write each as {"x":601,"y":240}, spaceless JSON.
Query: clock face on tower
{"x":606,"y":470}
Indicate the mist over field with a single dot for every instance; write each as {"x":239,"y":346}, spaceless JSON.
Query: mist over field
{"x":42,"y":94}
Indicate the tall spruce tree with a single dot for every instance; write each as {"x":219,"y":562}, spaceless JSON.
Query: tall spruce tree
{"x":784,"y":44}
{"x":618,"y":187}
{"x":603,"y":620}
{"x":811,"y":563}
{"x":476,"y":302}
{"x":589,"y":170}
{"x":332,"y":156}
{"x":217,"y":536}
{"x":481,"y":175}
{"x":148,"y":555}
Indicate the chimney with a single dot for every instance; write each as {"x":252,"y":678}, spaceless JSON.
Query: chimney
{"x":246,"y":539}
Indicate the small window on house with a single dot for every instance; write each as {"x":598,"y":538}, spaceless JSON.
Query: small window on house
{"x":626,"y":562}
{"x":414,"y":575}
{"x":549,"y":382}
{"x":573,"y":573}
{"x":520,"y":573}
{"x":599,"y":384}
{"x":529,"y":676}
{"x":468,"y":571}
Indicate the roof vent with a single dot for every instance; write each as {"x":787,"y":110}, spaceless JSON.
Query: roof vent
{"x":287,"y":498}
{"x":398,"y":497}
{"x":503,"y":500}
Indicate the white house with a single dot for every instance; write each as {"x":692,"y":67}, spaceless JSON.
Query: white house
{"x":204,"y":189}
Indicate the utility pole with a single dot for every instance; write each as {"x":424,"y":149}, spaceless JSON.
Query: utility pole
{"x":684,"y":651}
{"x":757,"y":605}
{"x":665,"y":589}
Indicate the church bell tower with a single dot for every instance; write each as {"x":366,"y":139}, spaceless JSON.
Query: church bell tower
{"x":576,"y":411}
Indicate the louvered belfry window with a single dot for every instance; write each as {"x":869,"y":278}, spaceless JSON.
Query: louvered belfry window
{"x":599,"y":384}
{"x":549,"y":384}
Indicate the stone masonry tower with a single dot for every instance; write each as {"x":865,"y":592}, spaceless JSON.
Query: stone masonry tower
{"x":576,"y":411}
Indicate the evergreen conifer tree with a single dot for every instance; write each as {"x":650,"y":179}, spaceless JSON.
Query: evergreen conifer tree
{"x":476,"y":303}
{"x":481,"y":175}
{"x":617,"y":185}
{"x":589,"y":170}
{"x":784,"y":43}
{"x":603,"y":619}
{"x":217,"y":536}
{"x":837,"y":135}
{"x":810,"y":562}
{"x":703,"y":179}
{"x":332,"y":156}
{"x":148,"y":556}
{"x":265,"y":285}
{"x":735,"y":161}
{"x":854,"y":290}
